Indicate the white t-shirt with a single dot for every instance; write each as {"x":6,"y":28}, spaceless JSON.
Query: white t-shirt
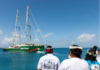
{"x":98,"y":57}
{"x":48,"y":62}
{"x":74,"y":64}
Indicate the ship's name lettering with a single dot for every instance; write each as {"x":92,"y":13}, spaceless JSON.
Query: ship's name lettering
{"x":24,"y":48}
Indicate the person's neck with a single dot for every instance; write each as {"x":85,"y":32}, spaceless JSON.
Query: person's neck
{"x":49,"y":53}
{"x":74,"y":57}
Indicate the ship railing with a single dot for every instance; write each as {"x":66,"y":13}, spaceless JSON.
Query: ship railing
{"x":39,"y":45}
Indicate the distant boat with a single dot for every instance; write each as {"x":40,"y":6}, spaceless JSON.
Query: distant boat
{"x":61,"y":47}
{"x":26,"y":46}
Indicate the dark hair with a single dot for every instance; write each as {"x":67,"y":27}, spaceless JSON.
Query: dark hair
{"x":74,"y":45}
{"x":91,"y":57}
{"x":94,"y":48}
{"x":51,"y":49}
{"x":76,"y":52}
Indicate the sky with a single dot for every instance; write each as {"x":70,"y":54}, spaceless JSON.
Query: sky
{"x":61,"y":22}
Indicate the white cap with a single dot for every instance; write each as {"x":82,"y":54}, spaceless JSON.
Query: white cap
{"x":75,"y":47}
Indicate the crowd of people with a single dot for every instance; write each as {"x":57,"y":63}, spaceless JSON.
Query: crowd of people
{"x":75,"y":62}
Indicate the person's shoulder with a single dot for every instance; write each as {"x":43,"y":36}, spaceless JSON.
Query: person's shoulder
{"x":43,"y":57}
{"x":66,"y":60}
{"x":85,"y":62}
{"x":55,"y":56}
{"x":97,"y":62}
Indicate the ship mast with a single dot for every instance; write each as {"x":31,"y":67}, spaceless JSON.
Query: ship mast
{"x":27,"y":24}
{"x":17,"y":19}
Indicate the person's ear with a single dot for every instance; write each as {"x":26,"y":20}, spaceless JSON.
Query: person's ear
{"x":70,"y":53}
{"x":52,"y":51}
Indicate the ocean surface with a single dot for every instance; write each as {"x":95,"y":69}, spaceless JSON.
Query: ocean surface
{"x":29,"y":60}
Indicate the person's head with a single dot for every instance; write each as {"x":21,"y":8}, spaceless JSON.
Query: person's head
{"x":91,"y":54}
{"x":99,"y":52}
{"x":75,"y":51}
{"x":49,"y":49}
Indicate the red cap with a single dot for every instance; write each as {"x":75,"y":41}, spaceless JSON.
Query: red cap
{"x":47,"y":50}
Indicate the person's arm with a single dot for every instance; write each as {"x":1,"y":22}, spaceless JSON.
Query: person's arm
{"x":39,"y":66}
{"x":38,"y":69}
{"x":61,"y":66}
{"x":88,"y":68}
{"x":58,"y":63}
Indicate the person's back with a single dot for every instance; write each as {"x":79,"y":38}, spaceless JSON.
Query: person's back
{"x":49,"y":61}
{"x":91,"y":59}
{"x":94,"y":65}
{"x":75,"y":62}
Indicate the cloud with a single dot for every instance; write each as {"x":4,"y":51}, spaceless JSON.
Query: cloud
{"x":35,"y":40}
{"x":15,"y":33}
{"x":37,"y":30}
{"x":1,"y":32}
{"x":86,"y":37}
{"x":7,"y":40}
{"x":47,"y":35}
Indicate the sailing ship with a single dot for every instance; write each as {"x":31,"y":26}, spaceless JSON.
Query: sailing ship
{"x":26,"y":46}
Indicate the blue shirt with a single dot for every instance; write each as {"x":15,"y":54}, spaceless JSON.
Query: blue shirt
{"x":94,"y":65}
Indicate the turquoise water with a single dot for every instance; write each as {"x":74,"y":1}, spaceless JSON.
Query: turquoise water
{"x":28,"y":60}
